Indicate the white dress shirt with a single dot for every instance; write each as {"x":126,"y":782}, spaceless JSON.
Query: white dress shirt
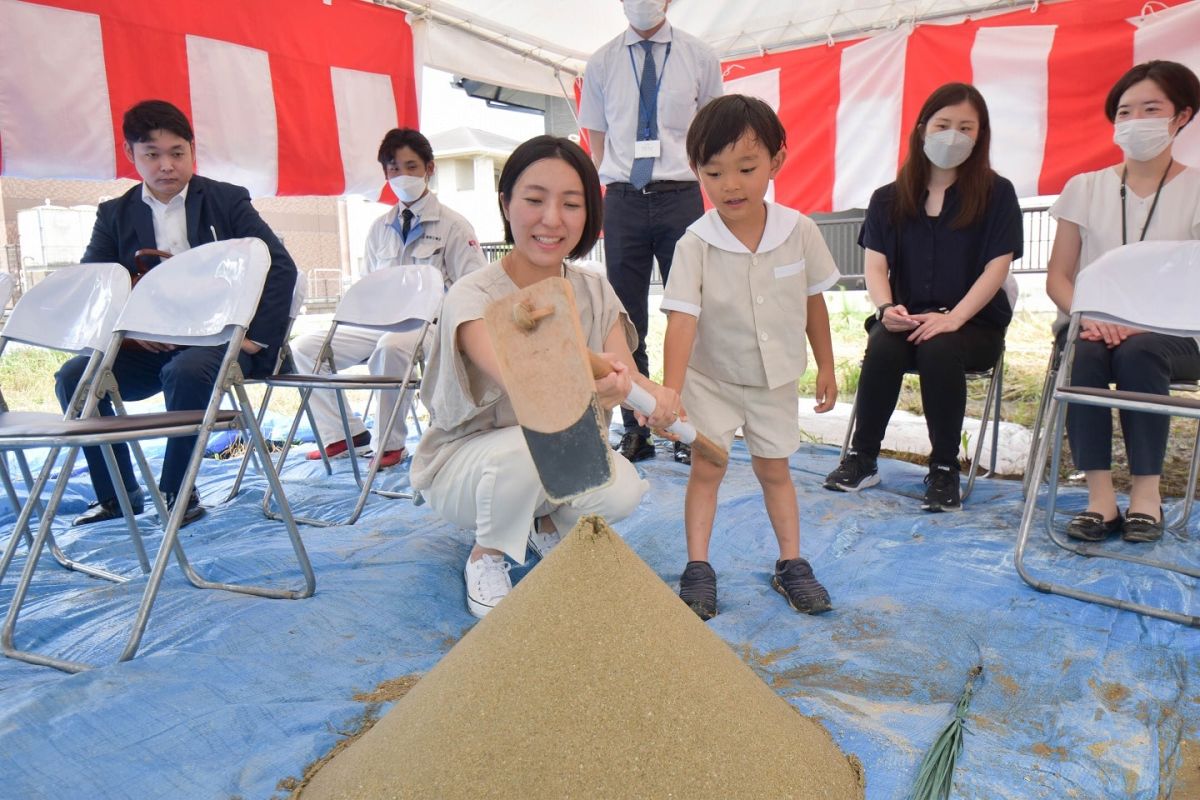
{"x":691,"y":76}
{"x":170,"y":221}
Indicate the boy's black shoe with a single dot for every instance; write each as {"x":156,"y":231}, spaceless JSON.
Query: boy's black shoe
{"x":794,"y":580}
{"x":682,"y":453}
{"x":856,"y":472}
{"x":941,"y":489}
{"x":635,"y":446}
{"x":698,"y":588}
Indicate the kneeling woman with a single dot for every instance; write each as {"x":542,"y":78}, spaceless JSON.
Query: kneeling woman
{"x":473,"y":465}
{"x":938,"y":243}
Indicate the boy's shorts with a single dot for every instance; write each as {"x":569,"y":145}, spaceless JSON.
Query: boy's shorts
{"x":769,"y":418}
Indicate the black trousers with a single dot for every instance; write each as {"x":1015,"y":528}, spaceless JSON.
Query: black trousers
{"x":185,"y":376}
{"x":1147,"y":362}
{"x":639,"y":228}
{"x":942,"y":364}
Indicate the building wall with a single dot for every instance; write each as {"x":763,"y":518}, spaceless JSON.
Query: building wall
{"x":477,"y":202}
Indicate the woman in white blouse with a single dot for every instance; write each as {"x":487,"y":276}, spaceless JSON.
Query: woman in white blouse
{"x":1149,"y":195}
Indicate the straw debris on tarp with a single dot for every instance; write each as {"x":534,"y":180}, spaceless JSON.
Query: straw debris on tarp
{"x":935,"y":777}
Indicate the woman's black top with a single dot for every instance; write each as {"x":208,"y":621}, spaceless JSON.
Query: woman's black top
{"x":932,"y":266}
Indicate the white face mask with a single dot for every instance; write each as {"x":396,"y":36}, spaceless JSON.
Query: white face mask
{"x":408,"y":188}
{"x":645,"y":14}
{"x":1143,"y":139}
{"x":947,"y":149}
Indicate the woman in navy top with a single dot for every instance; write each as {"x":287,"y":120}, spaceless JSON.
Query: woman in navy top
{"x":939,"y":242}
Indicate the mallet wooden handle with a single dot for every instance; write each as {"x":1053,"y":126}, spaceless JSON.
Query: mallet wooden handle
{"x":641,"y":400}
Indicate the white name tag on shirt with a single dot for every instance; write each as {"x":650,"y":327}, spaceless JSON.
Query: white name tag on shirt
{"x":648,"y":148}
{"x":787,"y":270}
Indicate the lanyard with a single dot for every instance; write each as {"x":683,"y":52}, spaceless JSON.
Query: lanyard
{"x":647,"y":107}
{"x":1153,"y":205}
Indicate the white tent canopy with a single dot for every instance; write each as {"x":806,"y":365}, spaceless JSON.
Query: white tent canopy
{"x":541,"y":45}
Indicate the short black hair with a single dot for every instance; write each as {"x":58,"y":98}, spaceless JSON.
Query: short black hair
{"x":396,"y":138}
{"x":542,"y":147}
{"x":724,"y":120}
{"x":1177,"y":82}
{"x":155,"y":115}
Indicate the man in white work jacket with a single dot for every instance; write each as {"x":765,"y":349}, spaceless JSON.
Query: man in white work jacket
{"x":417,"y":230}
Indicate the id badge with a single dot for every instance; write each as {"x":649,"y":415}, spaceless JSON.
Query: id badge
{"x":648,"y":148}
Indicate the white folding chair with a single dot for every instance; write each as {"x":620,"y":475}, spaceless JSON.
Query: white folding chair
{"x":399,"y":298}
{"x":205,"y":296}
{"x":1148,"y":285}
{"x":283,"y":366}
{"x":6,"y":290}
{"x":1039,"y":427}
{"x":73,"y":311}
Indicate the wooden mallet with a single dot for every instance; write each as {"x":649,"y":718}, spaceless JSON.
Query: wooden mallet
{"x":526,"y":317}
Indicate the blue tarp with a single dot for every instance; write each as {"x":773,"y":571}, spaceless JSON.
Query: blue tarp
{"x":230,"y":694}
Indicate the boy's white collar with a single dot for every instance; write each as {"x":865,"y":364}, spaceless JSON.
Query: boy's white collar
{"x":781,"y":221}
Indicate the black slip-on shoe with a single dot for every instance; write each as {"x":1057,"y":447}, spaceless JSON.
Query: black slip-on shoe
{"x":1091,"y":526}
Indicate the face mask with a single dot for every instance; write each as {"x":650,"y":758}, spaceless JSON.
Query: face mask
{"x":1143,"y":139}
{"x":408,"y":188}
{"x":947,"y":149}
{"x":644,"y":14}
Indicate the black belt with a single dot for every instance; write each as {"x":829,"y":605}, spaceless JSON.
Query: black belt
{"x":654,"y":187}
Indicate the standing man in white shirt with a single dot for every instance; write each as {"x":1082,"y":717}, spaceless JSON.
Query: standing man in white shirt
{"x":640,"y":92}
{"x":417,"y":230}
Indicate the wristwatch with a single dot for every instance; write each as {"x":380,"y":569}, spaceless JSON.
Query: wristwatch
{"x":879,"y":311}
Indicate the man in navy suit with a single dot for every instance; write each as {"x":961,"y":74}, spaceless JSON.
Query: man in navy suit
{"x":174,"y":210}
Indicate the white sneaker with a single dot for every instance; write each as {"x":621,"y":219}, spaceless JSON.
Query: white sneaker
{"x":487,"y":583}
{"x":542,"y":543}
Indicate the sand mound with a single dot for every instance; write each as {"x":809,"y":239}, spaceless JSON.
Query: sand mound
{"x":590,"y":680}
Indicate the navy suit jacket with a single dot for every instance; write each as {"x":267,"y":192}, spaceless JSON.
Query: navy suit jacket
{"x":125,"y":225}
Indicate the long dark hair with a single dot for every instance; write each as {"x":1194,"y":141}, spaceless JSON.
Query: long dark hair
{"x":974,"y":177}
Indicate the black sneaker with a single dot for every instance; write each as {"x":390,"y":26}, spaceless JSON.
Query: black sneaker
{"x":682,"y":453}
{"x":635,"y":446}
{"x":941,"y":489}
{"x":794,"y":580}
{"x":856,"y":472}
{"x":698,"y":588}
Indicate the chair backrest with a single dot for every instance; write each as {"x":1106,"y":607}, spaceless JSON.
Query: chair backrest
{"x":299,"y":294}
{"x":393,"y":298}
{"x":73,"y":308}
{"x":1150,"y":285}
{"x":199,"y":296}
{"x":6,"y":289}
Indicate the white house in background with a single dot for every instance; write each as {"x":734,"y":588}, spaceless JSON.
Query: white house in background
{"x":468,"y":171}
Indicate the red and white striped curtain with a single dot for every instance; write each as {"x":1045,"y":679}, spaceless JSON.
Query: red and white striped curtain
{"x":849,"y":108}
{"x":287,"y":97}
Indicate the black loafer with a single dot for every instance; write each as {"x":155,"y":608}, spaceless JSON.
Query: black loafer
{"x":194,"y":510}
{"x":1143,"y":527}
{"x":1090,"y":526}
{"x":104,"y":510}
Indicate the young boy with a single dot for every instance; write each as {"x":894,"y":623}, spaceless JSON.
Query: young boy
{"x":756,"y":270}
